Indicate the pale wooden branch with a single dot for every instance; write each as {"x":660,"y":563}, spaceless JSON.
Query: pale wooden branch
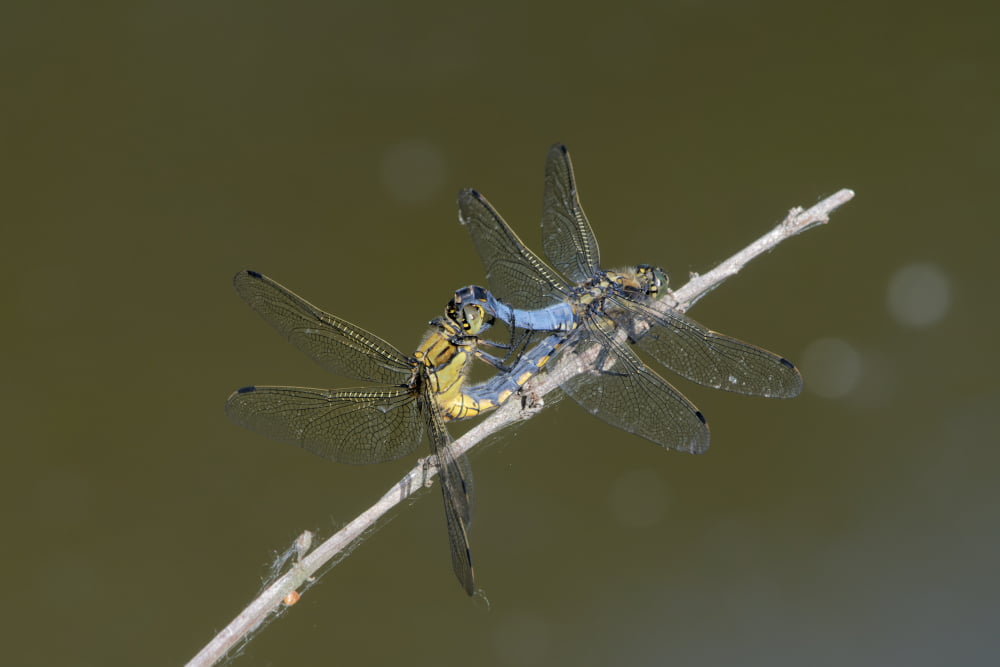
{"x":272,"y":599}
{"x":796,"y":222}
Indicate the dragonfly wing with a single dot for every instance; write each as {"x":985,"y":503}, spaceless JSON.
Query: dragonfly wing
{"x":516,"y":275}
{"x":455,"y":474}
{"x":708,"y":357}
{"x":347,"y":426}
{"x":333,"y":343}
{"x":623,"y":392}
{"x":567,"y":239}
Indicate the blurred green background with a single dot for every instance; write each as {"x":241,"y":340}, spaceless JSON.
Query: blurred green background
{"x":150,"y":150}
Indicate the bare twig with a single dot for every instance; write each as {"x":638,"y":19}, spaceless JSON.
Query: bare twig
{"x":340,"y":544}
{"x":796,"y":222}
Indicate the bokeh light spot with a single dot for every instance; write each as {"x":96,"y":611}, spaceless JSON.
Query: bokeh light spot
{"x":919,"y":295}
{"x":413,"y":170}
{"x":831,"y":367}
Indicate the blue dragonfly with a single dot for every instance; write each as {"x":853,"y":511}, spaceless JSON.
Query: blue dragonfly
{"x":375,"y":424}
{"x":604,"y":313}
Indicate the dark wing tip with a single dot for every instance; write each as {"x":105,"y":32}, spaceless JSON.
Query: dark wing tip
{"x":560,"y":147}
{"x":465,"y":196}
{"x":467,"y":200}
{"x":795,"y":387}
{"x":245,"y":390}
{"x":699,"y":443}
{"x":470,"y":583}
{"x":246,"y":273}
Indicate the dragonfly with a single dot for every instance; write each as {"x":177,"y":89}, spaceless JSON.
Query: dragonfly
{"x":604,"y":313}
{"x":414,"y":394}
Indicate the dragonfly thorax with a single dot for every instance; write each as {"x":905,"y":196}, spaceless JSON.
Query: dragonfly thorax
{"x":646,"y":281}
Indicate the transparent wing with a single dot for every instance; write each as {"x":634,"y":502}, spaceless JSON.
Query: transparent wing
{"x":707,"y":357}
{"x":567,"y":239}
{"x":347,"y":426}
{"x":623,"y":392}
{"x":456,"y":491}
{"x":516,"y":275}
{"x":333,"y":343}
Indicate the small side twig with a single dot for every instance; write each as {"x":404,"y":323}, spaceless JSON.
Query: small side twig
{"x":271,"y":599}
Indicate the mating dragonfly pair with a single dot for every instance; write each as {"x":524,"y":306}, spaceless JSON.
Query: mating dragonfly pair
{"x":597,"y":314}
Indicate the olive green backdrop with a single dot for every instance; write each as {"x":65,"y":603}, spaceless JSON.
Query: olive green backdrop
{"x":150,"y":150}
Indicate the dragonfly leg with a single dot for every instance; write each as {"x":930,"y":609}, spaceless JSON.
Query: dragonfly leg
{"x":493,"y":361}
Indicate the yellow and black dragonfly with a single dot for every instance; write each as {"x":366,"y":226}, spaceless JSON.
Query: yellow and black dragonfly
{"x":375,"y":424}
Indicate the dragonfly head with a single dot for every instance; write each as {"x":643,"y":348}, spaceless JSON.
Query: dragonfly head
{"x":466,"y":310}
{"x":653,"y":280}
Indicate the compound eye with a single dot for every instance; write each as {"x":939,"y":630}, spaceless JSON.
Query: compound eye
{"x":661,"y":278}
{"x":656,"y":279}
{"x":472,"y":318}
